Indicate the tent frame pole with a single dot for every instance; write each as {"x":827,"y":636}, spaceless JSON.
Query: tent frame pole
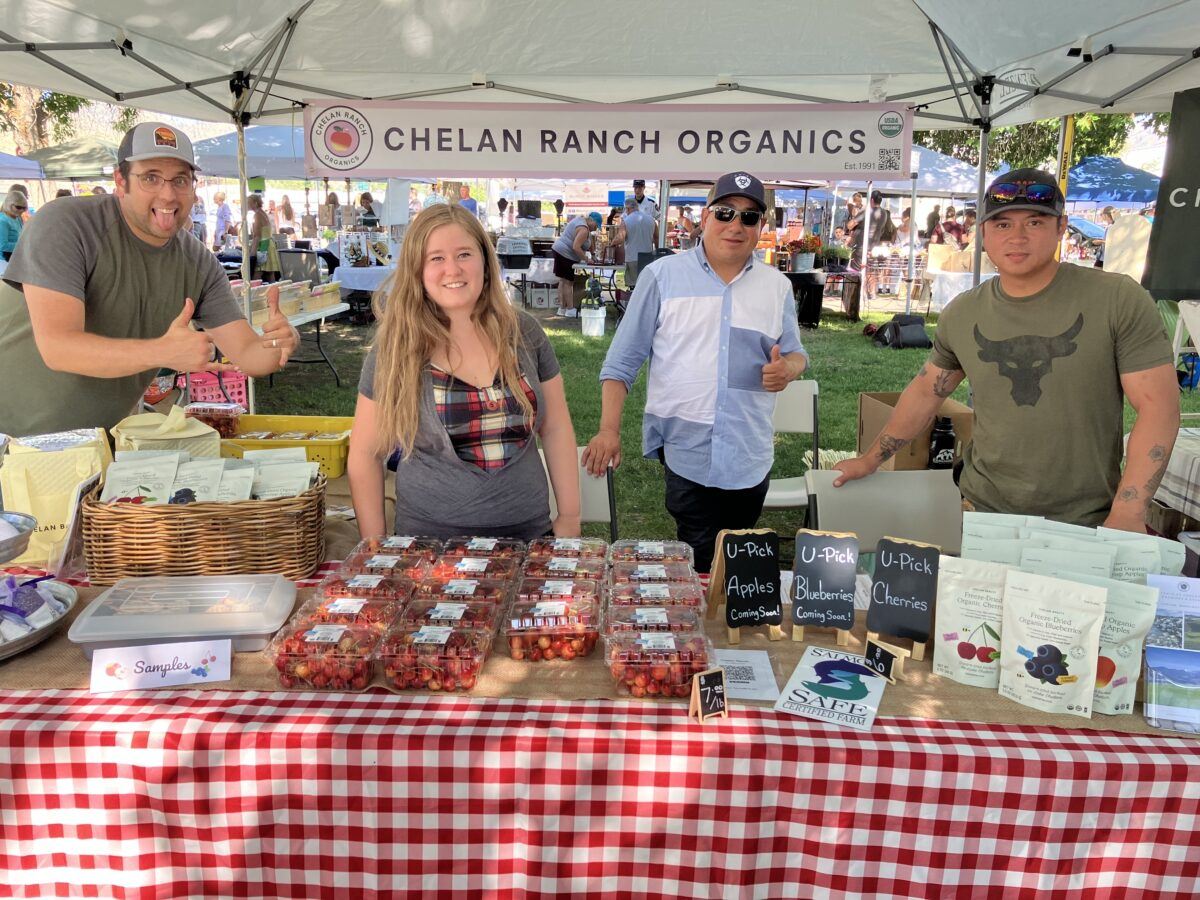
{"x":983,"y":89}
{"x":912,"y":242}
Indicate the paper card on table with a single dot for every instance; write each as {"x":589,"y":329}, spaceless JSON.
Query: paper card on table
{"x":834,"y":687}
{"x":151,"y":666}
{"x":748,"y":674}
{"x":1060,"y":563}
{"x":1177,"y":618}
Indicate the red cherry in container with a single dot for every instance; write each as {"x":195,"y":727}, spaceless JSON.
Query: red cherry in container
{"x":966,"y":650}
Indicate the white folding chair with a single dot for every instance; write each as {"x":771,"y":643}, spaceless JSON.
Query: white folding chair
{"x":795,"y":413}
{"x":598,"y":500}
{"x":924,"y":505}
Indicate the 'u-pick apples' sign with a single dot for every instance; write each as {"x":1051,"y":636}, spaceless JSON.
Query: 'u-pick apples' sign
{"x":751,"y":579}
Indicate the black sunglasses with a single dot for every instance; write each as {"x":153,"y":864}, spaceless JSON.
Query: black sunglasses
{"x":749,"y":217}
{"x":1011,"y":191}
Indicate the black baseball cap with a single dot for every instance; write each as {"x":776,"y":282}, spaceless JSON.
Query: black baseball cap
{"x":1031,"y":189}
{"x":740,"y":184}
{"x":639,"y":182}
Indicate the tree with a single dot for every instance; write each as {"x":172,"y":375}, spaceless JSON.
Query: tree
{"x":1033,"y":143}
{"x":34,"y":115}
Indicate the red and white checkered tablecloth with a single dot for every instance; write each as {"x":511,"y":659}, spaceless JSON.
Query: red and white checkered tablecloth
{"x":220,"y":794}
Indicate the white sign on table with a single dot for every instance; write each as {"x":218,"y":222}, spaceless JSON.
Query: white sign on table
{"x":833,"y":687}
{"x":382,"y":139}
{"x":152,"y":666}
{"x":748,"y":674}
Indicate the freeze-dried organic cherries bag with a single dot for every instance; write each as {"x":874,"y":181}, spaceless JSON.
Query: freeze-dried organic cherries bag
{"x":966,"y":641}
{"x":1049,"y":642}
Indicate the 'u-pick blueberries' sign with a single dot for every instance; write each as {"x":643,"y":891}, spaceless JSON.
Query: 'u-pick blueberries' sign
{"x":751,"y":578}
{"x":823,"y":586}
{"x":904,"y":590}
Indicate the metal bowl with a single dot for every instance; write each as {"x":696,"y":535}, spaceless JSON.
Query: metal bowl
{"x":15,"y":545}
{"x":66,"y":595}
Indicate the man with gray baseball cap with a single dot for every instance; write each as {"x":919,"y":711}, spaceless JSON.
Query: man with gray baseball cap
{"x":103,"y":291}
{"x":719,"y":330}
{"x":1052,"y":351}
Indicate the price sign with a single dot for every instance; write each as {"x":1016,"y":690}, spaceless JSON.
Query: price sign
{"x":708,"y":695}
{"x":885,"y":659}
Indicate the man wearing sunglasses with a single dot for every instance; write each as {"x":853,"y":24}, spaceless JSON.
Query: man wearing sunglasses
{"x":101,"y":293}
{"x":1052,"y":351}
{"x":719,"y":329}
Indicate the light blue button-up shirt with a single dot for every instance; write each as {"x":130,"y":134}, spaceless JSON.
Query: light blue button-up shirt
{"x":707,"y":343}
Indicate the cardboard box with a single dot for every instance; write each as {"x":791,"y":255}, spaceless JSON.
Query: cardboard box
{"x":874,"y":409}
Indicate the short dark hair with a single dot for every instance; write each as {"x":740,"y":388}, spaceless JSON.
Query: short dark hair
{"x":125,"y":167}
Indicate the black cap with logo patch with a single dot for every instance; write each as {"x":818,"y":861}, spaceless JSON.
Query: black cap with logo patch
{"x":740,"y":184}
{"x":1031,"y":189}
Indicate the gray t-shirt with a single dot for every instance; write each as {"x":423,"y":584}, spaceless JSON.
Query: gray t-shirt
{"x":82,"y":247}
{"x":639,"y":235}
{"x":440,"y":495}
{"x":565,"y":245}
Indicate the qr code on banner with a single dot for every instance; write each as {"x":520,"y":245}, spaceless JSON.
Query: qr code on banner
{"x":743,"y":674}
{"x":889,"y":160}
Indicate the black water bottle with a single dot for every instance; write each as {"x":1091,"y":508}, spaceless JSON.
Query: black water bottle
{"x":941,"y":444}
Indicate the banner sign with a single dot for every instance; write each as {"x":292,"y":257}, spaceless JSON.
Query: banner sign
{"x":382,"y":139}
{"x":1172,"y":264}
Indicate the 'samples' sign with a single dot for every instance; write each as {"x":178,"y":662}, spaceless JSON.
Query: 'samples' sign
{"x":904,"y":590}
{"x":823,"y":586}
{"x":750,"y":572}
{"x":380,"y":139}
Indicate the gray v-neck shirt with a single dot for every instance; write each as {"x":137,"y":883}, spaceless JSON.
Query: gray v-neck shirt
{"x":441,"y":495}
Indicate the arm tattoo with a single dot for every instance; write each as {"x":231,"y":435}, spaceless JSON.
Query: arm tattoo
{"x":1128,"y":494}
{"x":1158,"y":454}
{"x":941,"y":384}
{"x":889,"y":446}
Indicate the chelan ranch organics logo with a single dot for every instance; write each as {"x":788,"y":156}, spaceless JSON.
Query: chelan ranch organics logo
{"x":341,"y":138}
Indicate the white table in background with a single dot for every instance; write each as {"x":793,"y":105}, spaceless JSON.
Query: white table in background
{"x":318,"y":316}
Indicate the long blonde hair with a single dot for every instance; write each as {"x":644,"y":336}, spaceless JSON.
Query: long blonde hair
{"x":412,"y":327}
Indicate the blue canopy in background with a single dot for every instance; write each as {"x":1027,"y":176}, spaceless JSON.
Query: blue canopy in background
{"x":272,"y":151}
{"x":1105,"y":179}
{"x":19,"y":167}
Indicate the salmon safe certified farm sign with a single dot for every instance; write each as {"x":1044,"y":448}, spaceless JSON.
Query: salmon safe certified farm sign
{"x":381,"y":139}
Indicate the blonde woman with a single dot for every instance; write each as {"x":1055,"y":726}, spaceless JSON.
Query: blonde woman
{"x":262,"y":244}
{"x":460,"y":384}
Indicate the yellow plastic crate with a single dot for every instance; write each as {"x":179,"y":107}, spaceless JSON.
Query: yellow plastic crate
{"x":330,"y":454}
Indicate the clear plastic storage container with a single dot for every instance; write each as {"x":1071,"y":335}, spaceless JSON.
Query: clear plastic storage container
{"x":649,"y":664}
{"x":377,"y":614}
{"x":464,"y":590}
{"x":653,"y":619}
{"x":404,"y":545}
{"x":324,"y":657}
{"x":366,"y":587}
{"x":566,"y":567}
{"x":652,"y":551}
{"x":479,"y":615}
{"x":451,"y":568}
{"x":679,"y":593}
{"x":433,"y":657}
{"x":247,"y":609}
{"x":531,"y":590}
{"x":492,"y":548}
{"x":552,"y":629}
{"x":653,"y":573}
{"x":585,"y":548}
{"x":221,"y":417}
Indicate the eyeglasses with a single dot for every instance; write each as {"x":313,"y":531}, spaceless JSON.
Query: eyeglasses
{"x":1010,"y":191}
{"x":152,"y":181}
{"x":749,"y":217}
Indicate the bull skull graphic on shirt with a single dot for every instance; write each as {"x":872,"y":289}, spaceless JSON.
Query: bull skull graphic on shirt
{"x":1024,"y":359}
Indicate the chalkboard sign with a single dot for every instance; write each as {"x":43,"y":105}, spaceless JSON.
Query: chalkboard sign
{"x":708,"y":695}
{"x":823,"y":585}
{"x":885,"y":659}
{"x":904,"y":591}
{"x":749,"y":575}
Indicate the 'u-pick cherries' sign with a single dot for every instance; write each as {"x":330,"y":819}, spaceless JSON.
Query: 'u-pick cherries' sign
{"x":904,"y":590}
{"x":823,"y":586}
{"x":750,"y":563}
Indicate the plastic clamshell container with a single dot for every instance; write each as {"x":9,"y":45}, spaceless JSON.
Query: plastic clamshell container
{"x":531,"y":590}
{"x":331,"y":453}
{"x":552,"y":629}
{"x":363,"y":586}
{"x":652,"y":551}
{"x":413,"y":566}
{"x":492,"y":548}
{"x":464,"y":590}
{"x":679,"y":593}
{"x":247,"y":609}
{"x":653,"y":573}
{"x":671,"y":619}
{"x":450,"y":568}
{"x":324,"y":657}
{"x":377,"y":614}
{"x":405,"y":545}
{"x":433,"y":657}
{"x":479,"y":615}
{"x":578,"y":548}
{"x":651,"y":664}
{"x":221,"y":417}
{"x":566,"y":567}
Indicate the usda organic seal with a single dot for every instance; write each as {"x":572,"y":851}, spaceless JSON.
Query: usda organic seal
{"x":891,"y":124}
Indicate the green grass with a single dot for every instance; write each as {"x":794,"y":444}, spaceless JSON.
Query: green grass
{"x":844,"y":363}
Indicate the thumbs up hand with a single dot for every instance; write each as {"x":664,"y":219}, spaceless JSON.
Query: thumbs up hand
{"x":184,"y":349}
{"x":777,"y":374}
{"x":278,"y":334}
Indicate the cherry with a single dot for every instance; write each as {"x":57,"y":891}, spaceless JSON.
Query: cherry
{"x":984,"y":654}
{"x":966,"y":650}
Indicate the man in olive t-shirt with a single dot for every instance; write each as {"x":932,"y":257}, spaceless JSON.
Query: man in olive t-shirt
{"x":102,"y":290}
{"x":1052,"y":351}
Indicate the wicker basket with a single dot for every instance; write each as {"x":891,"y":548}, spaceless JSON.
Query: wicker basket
{"x":284,"y":536}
